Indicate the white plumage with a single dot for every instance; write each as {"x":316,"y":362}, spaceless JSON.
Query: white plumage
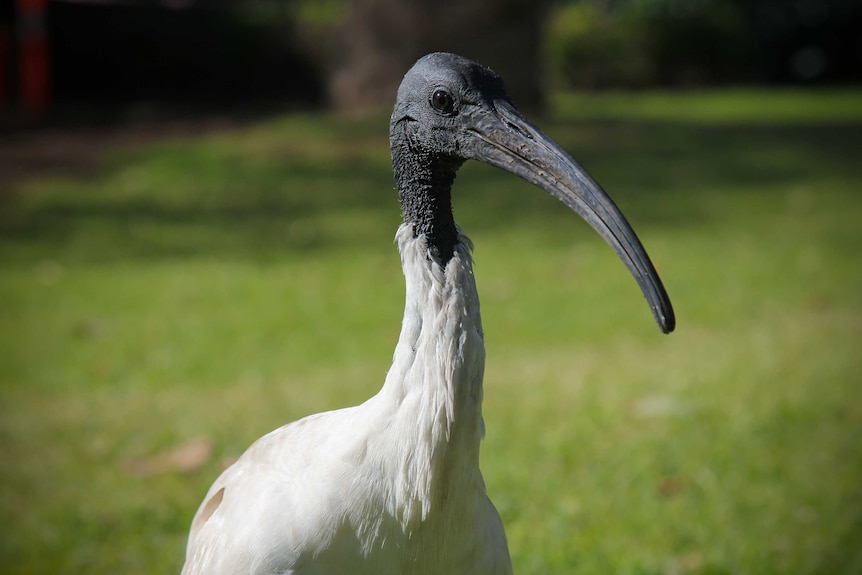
{"x":388,"y":487}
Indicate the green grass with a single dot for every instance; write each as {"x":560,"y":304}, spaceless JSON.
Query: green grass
{"x":222,"y":286}
{"x":752,"y":106}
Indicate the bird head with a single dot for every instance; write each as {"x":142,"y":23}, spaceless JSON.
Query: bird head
{"x":442,"y":99}
{"x":450,"y":109}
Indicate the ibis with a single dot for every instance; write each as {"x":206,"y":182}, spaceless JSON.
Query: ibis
{"x":393,"y":486}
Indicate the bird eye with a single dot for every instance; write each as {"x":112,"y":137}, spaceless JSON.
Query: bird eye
{"x":442,"y":101}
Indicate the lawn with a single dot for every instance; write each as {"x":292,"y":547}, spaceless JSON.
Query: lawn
{"x":197,"y":292}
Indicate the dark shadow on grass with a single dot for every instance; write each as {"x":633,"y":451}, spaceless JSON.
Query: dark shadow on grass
{"x":666,"y":157}
{"x":669,"y":175}
{"x":662,"y":175}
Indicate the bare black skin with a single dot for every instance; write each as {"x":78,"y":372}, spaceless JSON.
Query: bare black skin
{"x":450,"y":110}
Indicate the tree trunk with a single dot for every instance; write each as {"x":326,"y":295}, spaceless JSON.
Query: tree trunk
{"x":382,"y":38}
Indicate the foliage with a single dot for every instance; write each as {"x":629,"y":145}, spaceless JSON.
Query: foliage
{"x":224,"y":285}
{"x":590,"y":48}
{"x":646,"y":43}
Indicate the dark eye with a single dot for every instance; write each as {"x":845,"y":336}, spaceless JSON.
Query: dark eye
{"x":442,"y":101}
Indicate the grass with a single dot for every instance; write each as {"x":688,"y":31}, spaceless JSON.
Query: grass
{"x":221,"y":286}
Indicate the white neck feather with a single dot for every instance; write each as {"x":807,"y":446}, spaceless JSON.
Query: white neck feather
{"x":432,"y":397}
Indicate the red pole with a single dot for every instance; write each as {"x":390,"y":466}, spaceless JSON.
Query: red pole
{"x":33,"y":56}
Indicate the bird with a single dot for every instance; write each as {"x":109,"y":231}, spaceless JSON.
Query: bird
{"x":392,"y":486}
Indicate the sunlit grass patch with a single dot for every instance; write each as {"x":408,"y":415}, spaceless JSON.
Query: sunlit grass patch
{"x":740,"y":106}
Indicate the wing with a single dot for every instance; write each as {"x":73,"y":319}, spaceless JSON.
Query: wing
{"x":271,"y":509}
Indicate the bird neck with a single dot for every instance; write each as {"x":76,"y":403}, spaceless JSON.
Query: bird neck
{"x":433,"y":392}
{"x":425,"y":190}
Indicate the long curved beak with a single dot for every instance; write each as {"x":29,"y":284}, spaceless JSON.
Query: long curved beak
{"x":508,"y":141}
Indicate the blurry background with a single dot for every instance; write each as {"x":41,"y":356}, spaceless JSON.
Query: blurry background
{"x":222,"y":54}
{"x":196,"y":222}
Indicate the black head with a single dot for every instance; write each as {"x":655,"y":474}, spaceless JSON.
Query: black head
{"x":437,"y":101}
{"x":449,"y":110}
